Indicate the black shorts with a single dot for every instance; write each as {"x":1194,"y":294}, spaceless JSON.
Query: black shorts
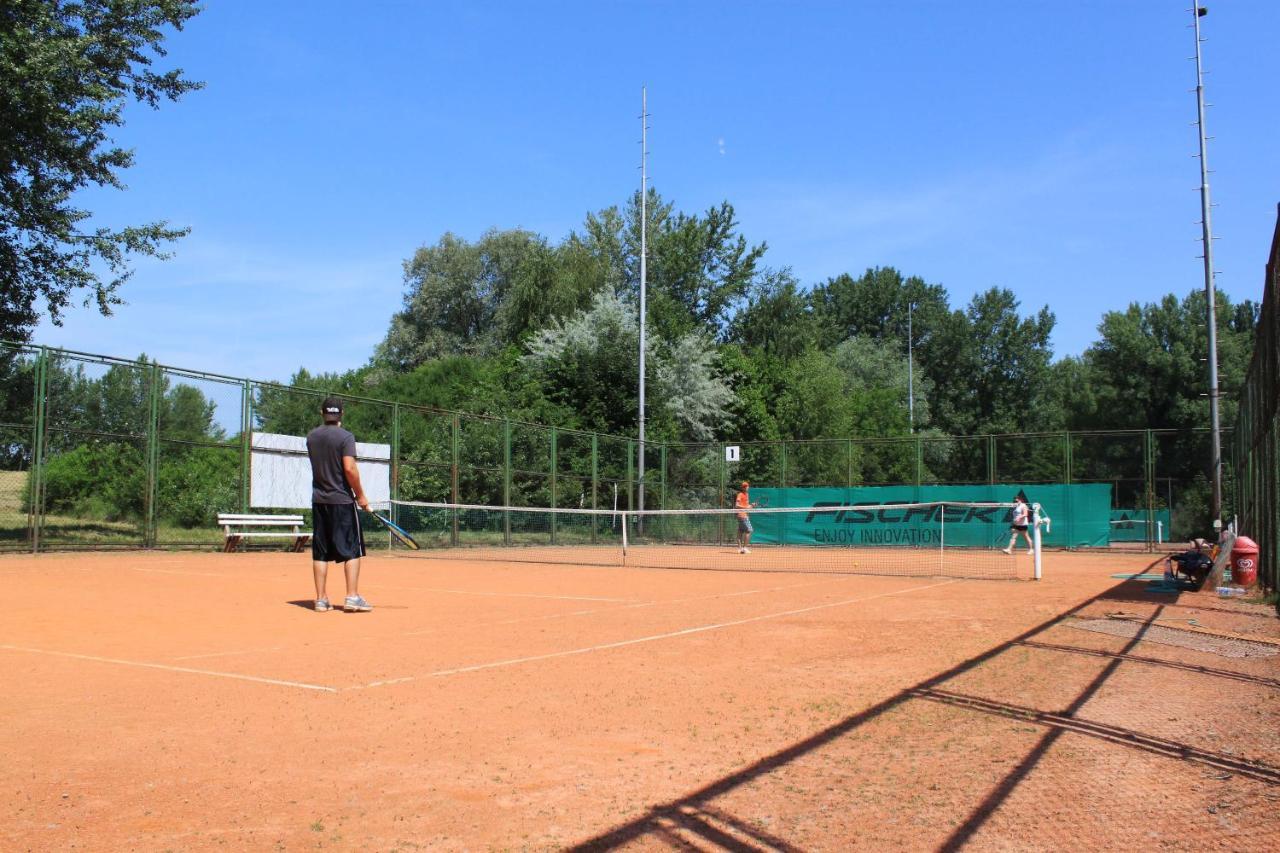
{"x":336,"y":536}
{"x":1018,"y":528}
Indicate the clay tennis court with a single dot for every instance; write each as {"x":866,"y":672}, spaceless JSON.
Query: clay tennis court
{"x":187,"y":701}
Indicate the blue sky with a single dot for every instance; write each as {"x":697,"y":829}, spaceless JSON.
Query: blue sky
{"x":1041,"y":146}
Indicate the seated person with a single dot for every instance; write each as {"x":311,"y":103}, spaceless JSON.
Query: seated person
{"x":1194,"y":563}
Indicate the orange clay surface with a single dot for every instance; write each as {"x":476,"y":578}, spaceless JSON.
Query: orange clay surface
{"x":161,"y":701}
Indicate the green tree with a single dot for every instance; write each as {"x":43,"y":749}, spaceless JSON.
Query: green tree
{"x":67,"y":71}
{"x":877,"y":305}
{"x":778,"y":319}
{"x":466,"y":298}
{"x":589,"y":362}
{"x":990,"y":368}
{"x":1148,"y":369}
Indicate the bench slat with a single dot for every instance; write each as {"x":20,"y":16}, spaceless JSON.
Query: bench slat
{"x":259,"y":519}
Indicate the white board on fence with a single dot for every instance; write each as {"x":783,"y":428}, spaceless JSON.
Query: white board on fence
{"x":731,"y":453}
{"x":280,"y":472}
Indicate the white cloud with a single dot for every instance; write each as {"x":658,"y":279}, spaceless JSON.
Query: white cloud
{"x":244,"y":311}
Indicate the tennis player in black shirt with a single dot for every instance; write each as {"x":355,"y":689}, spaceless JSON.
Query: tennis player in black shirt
{"x":335,"y":493}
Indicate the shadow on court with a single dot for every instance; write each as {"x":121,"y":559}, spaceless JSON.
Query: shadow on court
{"x":695,"y":814}
{"x":310,"y":604}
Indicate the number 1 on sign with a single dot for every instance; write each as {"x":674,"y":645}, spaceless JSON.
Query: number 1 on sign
{"x":731,"y":453}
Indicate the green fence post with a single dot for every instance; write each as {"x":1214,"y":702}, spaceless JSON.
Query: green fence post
{"x":1067,"y":465}
{"x":991,"y":460}
{"x":454,"y":491}
{"x":919,"y":465}
{"x":848,"y":459}
{"x":782,"y":538}
{"x":662,"y":479}
{"x":1149,"y":485}
{"x":724,"y":487}
{"x":149,"y":535}
{"x":631,"y":461}
{"x":595,"y":482}
{"x":246,"y":443}
{"x":38,"y":449}
{"x":554,"y":435}
{"x":506,"y":480}
{"x":395,"y":462}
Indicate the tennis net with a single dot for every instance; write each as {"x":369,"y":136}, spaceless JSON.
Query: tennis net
{"x":921,"y":539}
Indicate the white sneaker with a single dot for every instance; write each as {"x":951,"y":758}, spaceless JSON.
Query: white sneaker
{"x":1006,"y":550}
{"x":1029,"y":551}
{"x":746,"y":550}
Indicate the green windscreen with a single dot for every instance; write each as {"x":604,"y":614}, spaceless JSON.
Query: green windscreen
{"x":1080,"y":515}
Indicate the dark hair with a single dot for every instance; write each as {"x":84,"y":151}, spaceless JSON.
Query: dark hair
{"x":331,"y":408}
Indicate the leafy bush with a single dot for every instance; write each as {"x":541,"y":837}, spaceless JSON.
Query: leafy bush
{"x":107,"y":481}
{"x":196,"y":486}
{"x":102,"y":480}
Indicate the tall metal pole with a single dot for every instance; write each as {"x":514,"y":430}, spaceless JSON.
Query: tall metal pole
{"x":911,"y":390}
{"x":644,"y":233}
{"x":1210,"y":297}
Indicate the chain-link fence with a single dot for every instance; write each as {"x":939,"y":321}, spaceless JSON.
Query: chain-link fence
{"x":1157,"y":480}
{"x":102,"y":452}
{"x":1258,"y":456}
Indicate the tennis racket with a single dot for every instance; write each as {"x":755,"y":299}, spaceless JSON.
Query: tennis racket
{"x":401,"y":535}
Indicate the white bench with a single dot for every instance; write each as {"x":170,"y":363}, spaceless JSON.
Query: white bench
{"x":239,"y":527}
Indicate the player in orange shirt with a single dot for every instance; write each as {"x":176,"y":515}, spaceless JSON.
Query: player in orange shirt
{"x":743,"y":502}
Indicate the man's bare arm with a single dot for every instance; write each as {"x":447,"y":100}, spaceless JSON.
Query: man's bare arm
{"x":353,"y":480}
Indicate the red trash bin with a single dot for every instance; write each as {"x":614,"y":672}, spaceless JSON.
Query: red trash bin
{"x":1244,"y":561}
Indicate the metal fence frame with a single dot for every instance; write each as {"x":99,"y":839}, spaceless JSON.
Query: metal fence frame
{"x":470,"y":458}
{"x":1258,"y":457}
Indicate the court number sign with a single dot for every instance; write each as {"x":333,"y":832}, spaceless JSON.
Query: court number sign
{"x":731,"y":453}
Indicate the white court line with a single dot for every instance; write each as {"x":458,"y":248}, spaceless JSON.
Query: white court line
{"x":631,"y":606}
{"x":454,"y":629}
{"x":505,"y":594}
{"x":237,"y":652}
{"x":177,"y":572}
{"x":145,"y":664}
{"x":652,"y":638}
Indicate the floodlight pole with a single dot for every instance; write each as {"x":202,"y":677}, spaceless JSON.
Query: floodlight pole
{"x":911,"y":392}
{"x":644,"y":226}
{"x":1210,"y":297}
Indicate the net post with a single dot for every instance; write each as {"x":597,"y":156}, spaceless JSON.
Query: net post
{"x":1035,"y":538}
{"x":942,"y":537}
{"x":623,"y":516}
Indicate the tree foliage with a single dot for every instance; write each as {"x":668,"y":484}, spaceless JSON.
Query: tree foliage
{"x":67,"y":71}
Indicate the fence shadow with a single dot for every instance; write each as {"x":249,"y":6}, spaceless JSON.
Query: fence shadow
{"x":694,"y":813}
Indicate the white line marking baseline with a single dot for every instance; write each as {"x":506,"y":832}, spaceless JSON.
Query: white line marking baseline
{"x":299,"y":684}
{"x":652,"y":638}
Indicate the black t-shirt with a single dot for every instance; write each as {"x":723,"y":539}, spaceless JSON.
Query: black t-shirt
{"x":326,"y":445}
